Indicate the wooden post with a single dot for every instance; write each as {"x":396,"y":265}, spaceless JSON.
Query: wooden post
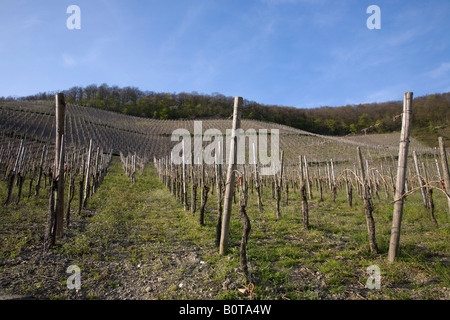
{"x":333,"y":181}
{"x":95,"y":171}
{"x":420,"y":179}
{"x":246,"y":227}
{"x":219,"y":195}
{"x":278,"y":185}
{"x":349,"y":189}
{"x":185,"y":202}
{"x":171,"y":177}
{"x":88,"y":172}
{"x":12,"y":174}
{"x":368,"y":206}
{"x":83,"y":171}
{"x":59,"y":163}
{"x":257,"y":182}
{"x":41,"y":165}
{"x":21,"y":172}
{"x":193,"y":185}
{"x":303,"y":183}
{"x":71,"y":190}
{"x":401,"y":175}
{"x":445,"y":171}
{"x":232,"y":163}
{"x":308,"y":181}
{"x":204,"y":189}
{"x":429,"y":191}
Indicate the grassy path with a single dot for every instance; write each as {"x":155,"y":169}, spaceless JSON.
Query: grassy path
{"x":138,"y":243}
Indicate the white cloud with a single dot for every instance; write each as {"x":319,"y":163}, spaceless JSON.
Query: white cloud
{"x":442,"y":71}
{"x":92,"y":55}
{"x":390,"y":93}
{"x":68,"y":60}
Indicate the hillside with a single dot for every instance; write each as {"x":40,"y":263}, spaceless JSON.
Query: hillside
{"x":149,"y":138}
{"x":137,"y":239}
{"x":431,"y":113}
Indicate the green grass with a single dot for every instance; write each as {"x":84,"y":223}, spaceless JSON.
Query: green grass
{"x":142,"y":231}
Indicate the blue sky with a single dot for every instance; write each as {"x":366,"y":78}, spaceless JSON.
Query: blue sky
{"x":301,"y":53}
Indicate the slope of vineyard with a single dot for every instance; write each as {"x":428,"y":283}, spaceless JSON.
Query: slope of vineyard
{"x":135,"y":235}
{"x":149,"y":138}
{"x":138,"y":243}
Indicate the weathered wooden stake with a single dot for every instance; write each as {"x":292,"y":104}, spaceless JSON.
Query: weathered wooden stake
{"x":303,"y":183}
{"x":429,"y":192}
{"x":257,"y":180}
{"x":185,"y":202}
{"x":219,"y":195}
{"x":13,"y":173}
{"x":349,"y":189}
{"x":308,"y":181}
{"x":83,"y":172}
{"x":420,"y":179}
{"x":204,"y":193}
{"x":232,"y":163}
{"x":193,"y":186}
{"x":59,"y":162}
{"x":278,"y":185}
{"x":401,"y":175}
{"x":368,"y":206}
{"x":41,"y":165}
{"x":87,"y":178}
{"x":445,"y":172}
{"x":246,"y":227}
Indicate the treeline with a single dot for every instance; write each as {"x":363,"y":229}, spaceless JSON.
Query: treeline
{"x":428,"y":111}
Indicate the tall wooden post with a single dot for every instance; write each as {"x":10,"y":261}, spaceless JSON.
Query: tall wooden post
{"x":303,"y":184}
{"x":219,"y":194}
{"x":257,"y":180}
{"x":368,"y":205}
{"x":41,"y":165}
{"x":333,"y":181}
{"x":59,"y":162}
{"x":185,"y":202}
{"x":278,"y":186}
{"x":401,"y":175}
{"x":308,"y":181}
{"x":232,"y":164}
{"x":193,"y":185}
{"x":420,"y":179}
{"x":203,"y":191}
{"x":83,"y":172}
{"x":445,"y":172}
{"x":87,"y":180}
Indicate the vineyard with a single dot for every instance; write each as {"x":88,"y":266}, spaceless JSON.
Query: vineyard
{"x":101,"y":191}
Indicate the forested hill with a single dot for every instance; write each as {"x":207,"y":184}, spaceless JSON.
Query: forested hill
{"x":430,"y":113}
